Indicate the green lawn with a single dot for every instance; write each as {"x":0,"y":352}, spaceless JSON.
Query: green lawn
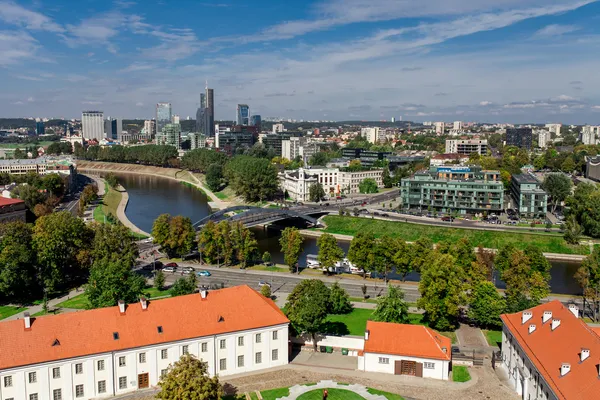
{"x":23,"y":145}
{"x":79,"y":302}
{"x":274,"y":394}
{"x":361,"y":300}
{"x":460,"y":373}
{"x":154,"y":292}
{"x":191,"y":186}
{"x":389,"y":396}
{"x":334,"y":394}
{"x":270,"y":268}
{"x":494,"y":338}
{"x":7,"y":311}
{"x":551,"y":243}
{"x":234,"y":397}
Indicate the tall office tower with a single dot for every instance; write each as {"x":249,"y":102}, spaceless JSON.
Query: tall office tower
{"x":170,"y":136}
{"x":118,"y":125}
{"x":256,"y":120}
{"x":209,"y":119}
{"x":243,"y":114}
{"x":200,"y":113}
{"x":163,"y":116}
{"x":108,"y":128}
{"x":113,"y":128}
{"x":149,"y":127}
{"x":40,"y":129}
{"x":92,"y":125}
{"x":520,"y":137}
{"x":588,"y":135}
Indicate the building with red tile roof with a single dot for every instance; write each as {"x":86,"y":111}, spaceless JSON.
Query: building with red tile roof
{"x":114,"y":350}
{"x":550,"y":353}
{"x":12,"y":210}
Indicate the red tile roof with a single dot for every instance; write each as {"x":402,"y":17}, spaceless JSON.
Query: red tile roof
{"x":9,"y":202}
{"x":91,"y":332}
{"x":406,"y":340}
{"x":548,"y":349}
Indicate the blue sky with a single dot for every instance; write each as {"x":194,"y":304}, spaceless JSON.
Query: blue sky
{"x":473,"y":60}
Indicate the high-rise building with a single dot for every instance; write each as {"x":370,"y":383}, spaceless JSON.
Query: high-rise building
{"x":200,"y":113}
{"x":209,"y":118}
{"x":149,"y":127}
{"x":163,"y":116}
{"x":256,"y":120}
{"x":466,"y":146}
{"x":277,"y":128}
{"x":197,"y":140}
{"x":243,"y":114}
{"x":92,"y":125}
{"x":40,"y":129}
{"x":458,"y":126}
{"x":440,"y":127}
{"x":543,"y":138}
{"x":554,"y":128}
{"x":520,"y":137}
{"x":170,"y":136}
{"x":175,"y":119}
{"x":589,"y":134}
{"x":371,"y":134}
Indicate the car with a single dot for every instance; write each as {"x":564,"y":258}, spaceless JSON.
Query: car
{"x":263,"y":283}
{"x":455,"y":350}
{"x":447,"y":219}
{"x":169,"y":269}
{"x":203,"y":273}
{"x":149,"y":240}
{"x":187,"y":270}
{"x":174,"y":265}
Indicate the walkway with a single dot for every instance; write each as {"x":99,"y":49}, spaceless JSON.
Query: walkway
{"x":298,"y":390}
{"x":51,"y":304}
{"x":123,"y":217}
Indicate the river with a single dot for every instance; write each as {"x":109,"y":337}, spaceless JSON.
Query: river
{"x":151,"y":196}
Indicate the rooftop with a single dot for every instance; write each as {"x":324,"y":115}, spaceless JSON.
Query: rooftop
{"x":93,"y":331}
{"x":548,"y":349}
{"x":525,"y":178}
{"x":407,"y":340}
{"x":9,"y":202}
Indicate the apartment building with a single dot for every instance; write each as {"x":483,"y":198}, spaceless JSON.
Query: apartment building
{"x":297,"y":182}
{"x":302,"y":147}
{"x":350,"y":180}
{"x":528,"y":196}
{"x":467,"y":146}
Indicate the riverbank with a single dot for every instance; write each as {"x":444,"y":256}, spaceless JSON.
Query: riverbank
{"x":175,"y":174}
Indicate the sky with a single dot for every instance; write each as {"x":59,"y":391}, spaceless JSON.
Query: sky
{"x":514,"y":61}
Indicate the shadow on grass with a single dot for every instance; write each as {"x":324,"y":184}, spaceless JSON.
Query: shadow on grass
{"x":335,"y":328}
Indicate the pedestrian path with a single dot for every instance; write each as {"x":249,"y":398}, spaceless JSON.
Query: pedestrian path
{"x":299,"y":390}
{"x":51,"y":304}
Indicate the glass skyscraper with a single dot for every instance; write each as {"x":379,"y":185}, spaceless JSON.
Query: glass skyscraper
{"x":243,"y":114}
{"x":163,"y":116}
{"x":256,"y":120}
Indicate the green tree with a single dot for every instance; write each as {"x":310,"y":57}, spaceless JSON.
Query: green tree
{"x":207,"y":242}
{"x":368,"y":185}
{"x":403,"y":258}
{"x":266,"y":258}
{"x":526,"y":278}
{"x":54,"y":184}
{"x":175,"y":235}
{"x":30,"y":195}
{"x":316,"y":193}
{"x":183,"y":286}
{"x":214,"y":177}
{"x":253,"y":178}
{"x":421,"y":251}
{"x":112,"y":180}
{"x":339,"y":301}
{"x":291,"y":246}
{"x":265,"y":290}
{"x":387,"y":179}
{"x":568,"y":165}
{"x":159,"y":280}
{"x":384,"y":254}
{"x":244,"y":244}
{"x":486,"y":306}
{"x":573,"y":230}
{"x":442,"y":292}
{"x":392,"y":307}
{"x":188,"y":379}
{"x":558,"y":187}
{"x":588,"y":277}
{"x":112,"y":280}
{"x":361,"y":250}
{"x":329,"y":251}
{"x":307,"y":307}
{"x":18,"y":272}
{"x":113,"y":242}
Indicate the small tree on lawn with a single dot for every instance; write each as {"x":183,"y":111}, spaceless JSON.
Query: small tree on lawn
{"x":266,"y":258}
{"x":265,"y":290}
{"x":363,"y":288}
{"x":392,"y":307}
{"x":188,"y":379}
{"x":291,"y":246}
{"x":159,"y":280}
{"x":307,"y":307}
{"x":339,"y":301}
{"x":486,"y":305}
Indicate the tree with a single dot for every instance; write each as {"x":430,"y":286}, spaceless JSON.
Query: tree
{"x":18,"y":272}
{"x":30,"y":195}
{"x":339,"y":301}
{"x":329,"y":251}
{"x":307,"y":307}
{"x":112,"y":180}
{"x":392,"y":307}
{"x":442,"y":292}
{"x":368,"y":185}
{"x":588,"y":277}
{"x":188,"y":379}
{"x":526,"y":277}
{"x":265,"y":290}
{"x":361,"y":250}
{"x":183,"y":286}
{"x":316,"y":193}
{"x":159,"y":280}
{"x":266,"y":258}
{"x":175,"y":235}
{"x":42,"y":209}
{"x":113,"y":241}
{"x":403,"y":258}
{"x":387,"y":179}
{"x":112,"y":280}
{"x":53,"y":184}
{"x":291,"y":246}
{"x":558,"y":187}
{"x":253,"y":178}
{"x":421,"y":250}
{"x":384,"y":254}
{"x":486,"y":306}
{"x":214,"y":177}
{"x":573,"y":230}
{"x":243,"y":243}
{"x":568,"y":165}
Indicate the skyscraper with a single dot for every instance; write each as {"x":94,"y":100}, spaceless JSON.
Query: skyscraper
{"x":40,"y":129}
{"x":92,"y":125}
{"x":520,"y":137}
{"x":243,"y":114}
{"x":209,"y":119}
{"x":163,"y":116}
{"x":256,"y":120}
{"x":200,"y":113}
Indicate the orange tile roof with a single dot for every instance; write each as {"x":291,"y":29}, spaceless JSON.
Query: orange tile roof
{"x":91,"y":332}
{"x":595,"y":329}
{"x":7,"y":202}
{"x":548,"y":350}
{"x":406,"y":340}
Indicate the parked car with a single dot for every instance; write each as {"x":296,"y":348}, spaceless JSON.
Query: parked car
{"x":187,"y":270}
{"x":447,"y":219}
{"x":149,"y":240}
{"x":169,"y":269}
{"x":174,"y":265}
{"x":203,"y":273}
{"x":263,"y":283}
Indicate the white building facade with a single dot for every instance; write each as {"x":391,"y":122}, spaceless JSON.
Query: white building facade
{"x":349,"y":181}
{"x":301,"y":147}
{"x":297,"y":183}
{"x":589,"y":135}
{"x":440,"y":127}
{"x":92,"y":125}
{"x":371,"y":134}
{"x":466,"y":146}
{"x":544,"y":137}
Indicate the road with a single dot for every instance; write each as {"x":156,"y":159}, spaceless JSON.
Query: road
{"x":71,"y":200}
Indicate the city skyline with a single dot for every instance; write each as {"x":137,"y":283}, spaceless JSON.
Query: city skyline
{"x":502,"y":61}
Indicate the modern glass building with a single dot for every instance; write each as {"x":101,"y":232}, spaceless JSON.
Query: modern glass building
{"x":40,"y":129}
{"x":209,"y":113}
{"x":256,"y":120}
{"x":170,"y":136}
{"x":243,"y":114}
{"x":461,"y":190}
{"x":520,"y":137}
{"x":529,"y":197}
{"x":163,"y":116}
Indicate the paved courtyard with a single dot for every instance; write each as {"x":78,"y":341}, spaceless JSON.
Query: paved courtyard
{"x":334,"y":360}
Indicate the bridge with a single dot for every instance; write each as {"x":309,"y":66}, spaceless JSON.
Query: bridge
{"x":251,"y":216}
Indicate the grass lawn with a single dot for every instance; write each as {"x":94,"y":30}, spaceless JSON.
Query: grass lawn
{"x":79,"y":302}
{"x":494,"y":338}
{"x":154,"y":292}
{"x":54,"y":311}
{"x":270,"y":268}
{"x":334,"y":394}
{"x":460,"y":373}
{"x":191,"y":186}
{"x":7,"y":311}
{"x":361,"y":300}
{"x":389,"y":396}
{"x":274,"y":394}
{"x":234,"y":397}
{"x":551,"y":243}
{"x":23,"y":145}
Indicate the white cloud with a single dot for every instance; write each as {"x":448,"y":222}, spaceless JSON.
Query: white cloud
{"x":12,"y":13}
{"x":135,"y":67}
{"x":555,"y":30}
{"x":485,"y":103}
{"x":16,"y":46}
{"x":30,"y":99}
{"x":99,"y":31}
{"x":139,"y":104}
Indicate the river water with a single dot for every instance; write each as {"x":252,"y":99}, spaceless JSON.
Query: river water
{"x":151,"y":196}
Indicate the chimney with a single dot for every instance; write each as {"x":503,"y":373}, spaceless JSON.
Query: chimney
{"x":585,"y":353}
{"x":547,"y":316}
{"x":367,"y":333}
{"x":555,"y":323}
{"x":531,"y":328}
{"x":121,"y":307}
{"x":527,"y":315}
{"x":27,"y":320}
{"x":574,"y":309}
{"x":564,"y":369}
{"x":203,"y":293}
{"x":144,"y":303}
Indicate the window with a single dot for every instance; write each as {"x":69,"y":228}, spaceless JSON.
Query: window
{"x":115,"y":335}
{"x":142,"y":358}
{"x":33,"y":396}
{"x":240,"y":341}
{"x":121,"y":361}
{"x":240,"y":361}
{"x":222,"y":364}
{"x":7,"y":381}
{"x":274,"y":335}
{"x":274,"y":354}
{"x":57,"y":394}
{"x":222,"y":344}
{"x":123,"y":382}
{"x":384,"y":360}
{"x":258,"y":358}
{"x":258,"y":338}
{"x":164,"y":354}
{"x":79,"y":368}
{"x":100,"y":365}
{"x":32,"y":377}
{"x":79,"y":391}
{"x":56,"y":372}
{"x":159,"y":329}
{"x":185,"y":349}
{"x":429,"y":365}
{"x":101,"y":386}
{"x":204,"y":347}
